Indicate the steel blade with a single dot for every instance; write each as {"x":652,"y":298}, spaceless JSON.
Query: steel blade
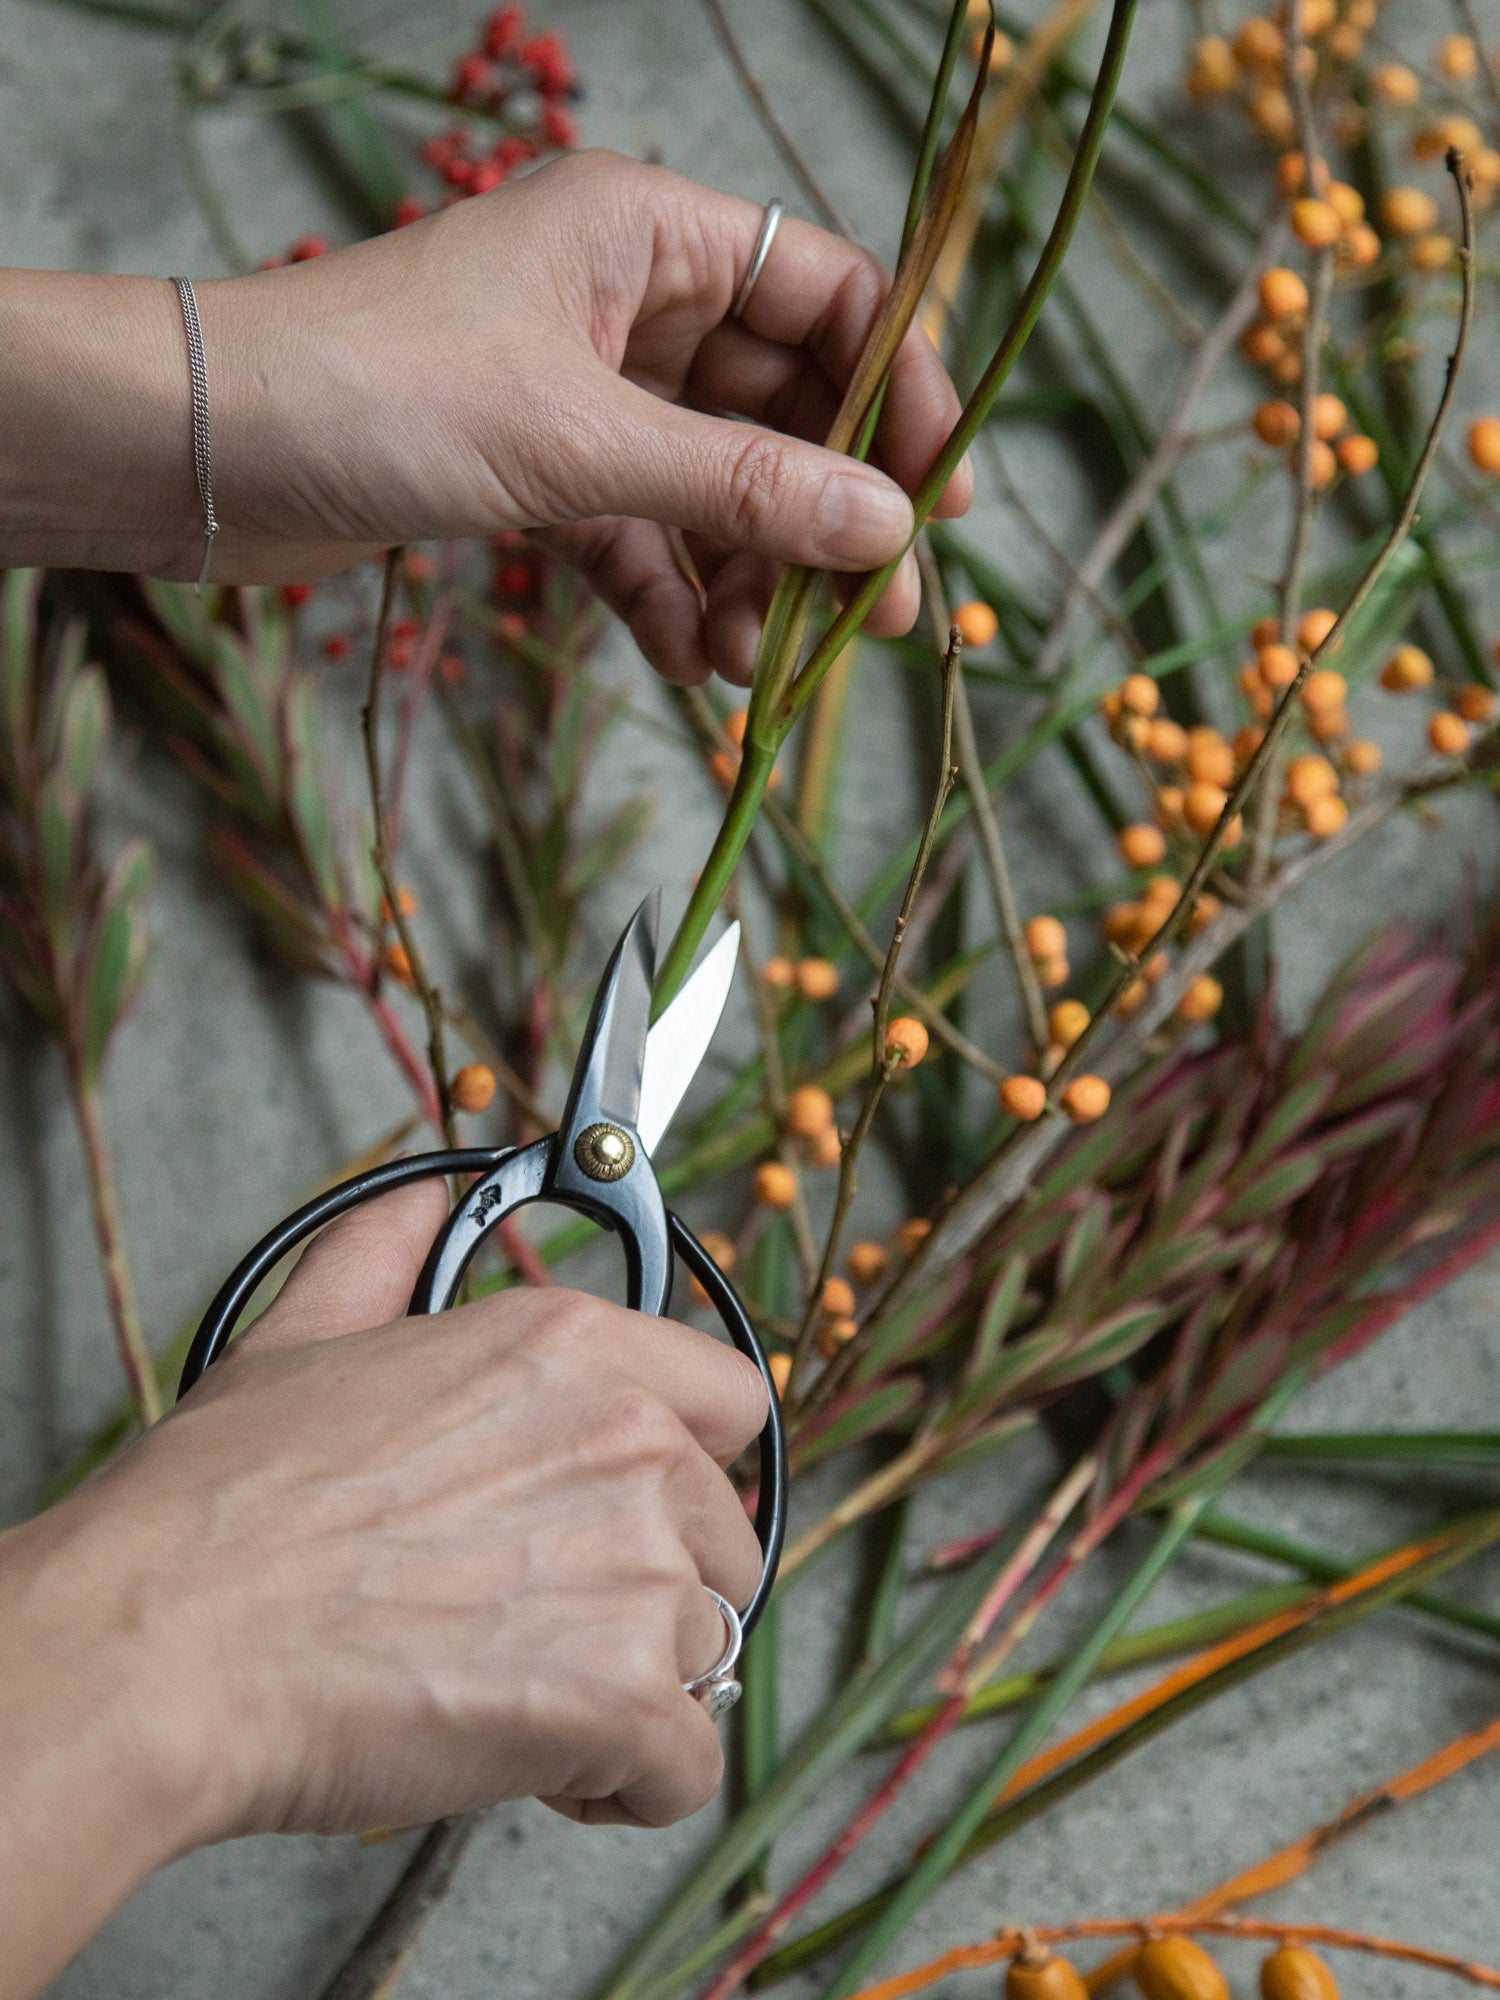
{"x":611,"y":1061}
{"x":679,"y":1041}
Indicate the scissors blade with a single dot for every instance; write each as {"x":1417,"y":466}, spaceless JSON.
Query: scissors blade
{"x":680,"y":1039}
{"x":607,"y":1080}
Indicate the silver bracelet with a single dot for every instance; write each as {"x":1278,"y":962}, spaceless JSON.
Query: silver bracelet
{"x":202,"y":458}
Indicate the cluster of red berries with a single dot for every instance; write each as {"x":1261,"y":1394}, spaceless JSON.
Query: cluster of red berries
{"x":526,"y":79}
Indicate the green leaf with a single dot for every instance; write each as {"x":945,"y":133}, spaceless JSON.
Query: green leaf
{"x":117,"y":958}
{"x":308,"y":804}
{"x":881,"y":1409}
{"x":83,"y":730}
{"x":57,"y":837}
{"x":18,"y":596}
{"x":1083,"y":1241}
{"x":1298,"y":1108}
{"x":1277,"y":1188}
{"x":996,"y":1315}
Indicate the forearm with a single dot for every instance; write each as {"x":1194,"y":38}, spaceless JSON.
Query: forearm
{"x":91,"y":1802}
{"x":96,"y":464}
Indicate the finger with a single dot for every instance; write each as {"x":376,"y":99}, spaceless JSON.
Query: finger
{"x":632,"y":566}
{"x":681,"y":1772}
{"x":739,"y":597}
{"x":741,"y":484}
{"x":717,"y":1533}
{"x":360,"y":1272}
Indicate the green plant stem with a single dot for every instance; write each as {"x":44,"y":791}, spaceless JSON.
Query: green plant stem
{"x":1427,"y":1447}
{"x":767,"y":730}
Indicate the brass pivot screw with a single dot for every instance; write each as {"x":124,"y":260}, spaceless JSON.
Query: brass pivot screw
{"x":604,"y":1152}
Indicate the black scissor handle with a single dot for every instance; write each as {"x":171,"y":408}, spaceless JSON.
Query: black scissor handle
{"x":524,"y":1176}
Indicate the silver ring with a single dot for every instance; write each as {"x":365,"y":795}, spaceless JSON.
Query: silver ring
{"x":770,"y":223}
{"x":718,"y":1690}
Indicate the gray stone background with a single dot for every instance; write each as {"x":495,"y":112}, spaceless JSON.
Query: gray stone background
{"x":234,"y":1089}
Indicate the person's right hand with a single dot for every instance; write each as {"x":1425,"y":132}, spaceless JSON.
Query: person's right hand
{"x":387,"y":1569}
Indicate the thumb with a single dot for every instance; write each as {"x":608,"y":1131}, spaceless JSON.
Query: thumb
{"x":359,"y":1272}
{"x":738,"y":483}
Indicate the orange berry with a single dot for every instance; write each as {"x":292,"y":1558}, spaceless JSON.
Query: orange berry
{"x":775,"y":1184}
{"x":1275,"y":423}
{"x":1321,"y":465}
{"x":868,"y":1262}
{"x":1362,"y":757}
{"x":1457,"y":58}
{"x":779,"y":971}
{"x":1133,"y":998}
{"x":1314,"y":626}
{"x":719,"y":1247}
{"x":1046,"y":938}
{"x":1140,"y":694}
{"x":1288,"y":369}
{"x":1202,"y":1000}
{"x":406,"y":902}
{"x":837,"y":1333}
{"x":1485,"y":167}
{"x":1325,"y":817}
{"x":809,"y":1111}
{"x":1329,"y":415}
{"x":472,"y":1087}
{"x":1283,"y":295}
{"x":1310,"y":777}
{"x":1346,"y":202}
{"x":1051,"y":972}
{"x":837,"y":1297}
{"x":1166,"y":741}
{"x":816,"y":979}
{"x":1128,"y":925}
{"x":1038,"y":1974}
{"x":1448,"y":733}
{"x":1205,"y":910}
{"x":1394,"y":83}
{"x":1167,"y":808}
{"x":1261,"y":344}
{"x":1432,"y":141}
{"x":1067,"y":1021}
{"x":1407,"y":668}
{"x":1315,"y":223}
{"x":1264,"y":632}
{"x":1359,"y":249}
{"x":1175,"y":1968}
{"x":734,"y":724}
{"x":1156,"y":967}
{"x":826,"y":1150}
{"x":905,"y":1042}
{"x":1327,"y":725}
{"x":779,"y":1366}
{"x":1210,"y":760}
{"x":1085,"y":1099}
{"x":1023,"y":1097}
{"x":1293,"y":1973}
{"x":1407,"y":211}
{"x":1357,"y":454}
{"x":1431,"y":253}
{"x":1278,"y":665}
{"x":1484,"y":443}
{"x":1142,"y":845}
{"x":976,"y":622}
{"x":1246,"y":743}
{"x":1259,"y":44}
{"x":1203,"y":805}
{"x":723,"y":768}
{"x":916,"y":1229}
{"x":1212,"y":69}
{"x":1324,"y":689}
{"x":1160,"y":894}
{"x":1291,"y":175}
{"x":1476,"y":702}
{"x":397,"y":963}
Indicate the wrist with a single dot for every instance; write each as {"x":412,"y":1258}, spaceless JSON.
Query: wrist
{"x":102,"y":1776}
{"x":96,"y":457}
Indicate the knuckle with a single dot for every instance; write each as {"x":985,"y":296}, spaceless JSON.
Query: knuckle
{"x":755,"y":483}
{"x":640,"y":1431}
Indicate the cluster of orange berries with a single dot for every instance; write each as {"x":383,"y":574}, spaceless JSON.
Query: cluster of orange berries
{"x":866,"y":1264}
{"x":1335,"y":447}
{"x":1449,"y":730}
{"x":1024,"y":1097}
{"x":1173,"y":1968}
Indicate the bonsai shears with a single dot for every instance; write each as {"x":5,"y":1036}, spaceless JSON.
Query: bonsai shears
{"x":629,"y":1079}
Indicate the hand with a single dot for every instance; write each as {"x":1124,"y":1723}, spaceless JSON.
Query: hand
{"x":367,"y":1577}
{"x":553,"y":356}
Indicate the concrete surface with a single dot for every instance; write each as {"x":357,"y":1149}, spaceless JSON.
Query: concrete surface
{"x":233,"y":1089}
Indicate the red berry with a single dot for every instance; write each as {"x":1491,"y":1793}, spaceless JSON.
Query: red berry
{"x":419,"y":567}
{"x":558,"y":127}
{"x":407,"y":209}
{"x":488,"y":174}
{"x":405,"y":628}
{"x":451,"y":667}
{"x":271,"y":263}
{"x":512,"y":625}
{"x":502,"y":34}
{"x":457,"y":173}
{"x":294,"y":595}
{"x":307,"y":247}
{"x":513,"y":579}
{"x":512,"y":151}
{"x":398,"y":655}
{"x":336,"y":646}
{"x":472,"y":77}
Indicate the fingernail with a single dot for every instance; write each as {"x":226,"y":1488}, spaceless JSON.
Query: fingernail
{"x":862,"y":520}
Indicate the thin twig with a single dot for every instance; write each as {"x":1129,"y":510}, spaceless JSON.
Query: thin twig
{"x":119,"y":1289}
{"x":375,"y":1963}
{"x":369,"y":722}
{"x":882,"y":1063}
{"x":991,"y":848}
{"x":772,"y":126}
